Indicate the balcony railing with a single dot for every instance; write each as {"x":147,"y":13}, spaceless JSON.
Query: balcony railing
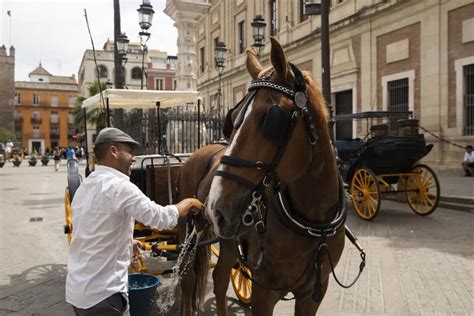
{"x":54,"y":135}
{"x":36,"y":120}
{"x":18,"y":120}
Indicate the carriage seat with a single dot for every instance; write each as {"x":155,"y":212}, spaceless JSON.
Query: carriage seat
{"x":348,"y":149}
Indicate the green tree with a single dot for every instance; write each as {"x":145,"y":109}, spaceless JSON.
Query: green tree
{"x":95,"y":116}
{"x":6,"y":135}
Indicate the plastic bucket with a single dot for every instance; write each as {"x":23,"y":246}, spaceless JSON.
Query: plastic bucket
{"x":141,"y":293}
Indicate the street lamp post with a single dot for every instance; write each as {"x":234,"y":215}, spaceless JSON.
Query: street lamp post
{"x":258,"y":27}
{"x":323,"y":10}
{"x":220,"y":55}
{"x":122,"y":48}
{"x":145,"y":17}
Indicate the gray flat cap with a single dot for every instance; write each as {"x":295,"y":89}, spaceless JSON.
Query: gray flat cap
{"x":114,"y":135}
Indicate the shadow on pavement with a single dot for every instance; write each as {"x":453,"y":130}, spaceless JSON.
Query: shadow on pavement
{"x":234,"y":307}
{"x":444,"y":230}
{"x":37,"y":289}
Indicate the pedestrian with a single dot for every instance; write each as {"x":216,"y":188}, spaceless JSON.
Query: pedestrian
{"x":79,"y":153}
{"x":70,"y":154}
{"x":56,"y":157}
{"x":104,"y":210}
{"x":8,"y":149}
{"x":468,"y":162}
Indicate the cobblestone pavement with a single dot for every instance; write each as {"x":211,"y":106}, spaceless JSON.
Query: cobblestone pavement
{"x":415,"y":265}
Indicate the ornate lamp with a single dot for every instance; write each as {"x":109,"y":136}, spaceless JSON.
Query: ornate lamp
{"x":258,"y":27}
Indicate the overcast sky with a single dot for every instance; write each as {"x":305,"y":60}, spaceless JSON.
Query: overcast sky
{"x":55,"y":32}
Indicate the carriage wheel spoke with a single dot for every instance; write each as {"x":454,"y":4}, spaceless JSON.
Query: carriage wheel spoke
{"x":371,"y":208}
{"x":359,"y":181}
{"x":357,"y":187}
{"x":372,"y":199}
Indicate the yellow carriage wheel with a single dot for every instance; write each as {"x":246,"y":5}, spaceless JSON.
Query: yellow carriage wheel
{"x":424,"y":198}
{"x":68,"y":216}
{"x":365,"y":193}
{"x":241,"y":284}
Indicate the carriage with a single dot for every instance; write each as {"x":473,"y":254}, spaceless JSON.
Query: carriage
{"x":386,"y":162}
{"x":156,"y":175}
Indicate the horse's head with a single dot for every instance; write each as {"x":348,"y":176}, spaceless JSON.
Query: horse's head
{"x":273,"y":134}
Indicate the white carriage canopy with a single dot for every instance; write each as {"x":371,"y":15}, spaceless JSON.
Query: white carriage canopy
{"x":141,"y":99}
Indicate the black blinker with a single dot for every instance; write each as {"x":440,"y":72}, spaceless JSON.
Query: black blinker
{"x":276,"y":122}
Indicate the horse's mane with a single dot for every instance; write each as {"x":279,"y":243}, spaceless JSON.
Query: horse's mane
{"x":317,"y":103}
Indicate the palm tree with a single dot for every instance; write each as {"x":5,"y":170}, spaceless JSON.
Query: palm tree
{"x":95,"y":116}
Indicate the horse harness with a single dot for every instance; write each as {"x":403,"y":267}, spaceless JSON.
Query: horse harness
{"x":278,"y":126}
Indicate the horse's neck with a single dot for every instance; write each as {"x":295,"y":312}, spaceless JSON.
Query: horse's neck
{"x":316,"y":193}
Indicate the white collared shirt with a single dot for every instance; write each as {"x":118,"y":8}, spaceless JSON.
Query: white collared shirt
{"x":104,"y":209}
{"x":469,"y":157}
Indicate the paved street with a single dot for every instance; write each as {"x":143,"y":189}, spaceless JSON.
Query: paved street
{"x":416,"y":265}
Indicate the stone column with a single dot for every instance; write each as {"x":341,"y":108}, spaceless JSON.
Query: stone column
{"x":186,"y":14}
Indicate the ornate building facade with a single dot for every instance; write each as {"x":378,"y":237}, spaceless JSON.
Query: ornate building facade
{"x":385,"y":55}
{"x":43,"y":110}
{"x":159,"y":68}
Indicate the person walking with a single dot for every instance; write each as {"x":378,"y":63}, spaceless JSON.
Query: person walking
{"x":56,"y":158}
{"x":70,"y":153}
{"x":104,"y":210}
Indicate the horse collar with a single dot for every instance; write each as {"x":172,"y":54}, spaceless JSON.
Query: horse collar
{"x":289,"y":218}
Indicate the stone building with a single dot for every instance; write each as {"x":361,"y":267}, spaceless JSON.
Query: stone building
{"x":397,"y":54}
{"x":7,"y":88}
{"x":43,"y":110}
{"x":159,"y":68}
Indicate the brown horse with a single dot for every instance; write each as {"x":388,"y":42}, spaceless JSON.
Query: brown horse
{"x":277,"y":191}
{"x":274,"y":194}
{"x":194,"y":181}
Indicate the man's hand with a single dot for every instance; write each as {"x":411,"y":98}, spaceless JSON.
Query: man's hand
{"x":189,"y":206}
{"x":137,"y":245}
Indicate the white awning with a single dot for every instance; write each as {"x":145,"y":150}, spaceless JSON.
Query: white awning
{"x":141,"y":99}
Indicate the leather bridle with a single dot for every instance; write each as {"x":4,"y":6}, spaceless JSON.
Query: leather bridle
{"x":253,"y":214}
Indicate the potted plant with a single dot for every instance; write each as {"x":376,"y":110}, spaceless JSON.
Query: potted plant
{"x":16,"y":161}
{"x":44,"y":160}
{"x":2,"y":160}
{"x":33,"y":159}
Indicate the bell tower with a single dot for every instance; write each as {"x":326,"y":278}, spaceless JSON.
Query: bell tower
{"x":7,"y":88}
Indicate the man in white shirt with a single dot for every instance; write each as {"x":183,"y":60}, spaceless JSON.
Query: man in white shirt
{"x":468,"y":162}
{"x":104,"y":209}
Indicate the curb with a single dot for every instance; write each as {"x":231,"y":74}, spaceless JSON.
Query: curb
{"x":458,"y":203}
{"x":457,"y":199}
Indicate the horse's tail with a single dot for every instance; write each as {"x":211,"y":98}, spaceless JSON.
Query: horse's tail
{"x":201,"y":268}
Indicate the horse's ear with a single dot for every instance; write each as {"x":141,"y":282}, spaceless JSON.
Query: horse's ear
{"x":278,"y":59}
{"x":228,"y":125}
{"x":253,"y":64}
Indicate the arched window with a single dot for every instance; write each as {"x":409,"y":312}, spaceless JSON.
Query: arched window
{"x":102,"y":71}
{"x":136,"y":73}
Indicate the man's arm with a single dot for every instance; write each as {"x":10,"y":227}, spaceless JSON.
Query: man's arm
{"x":133,"y":202}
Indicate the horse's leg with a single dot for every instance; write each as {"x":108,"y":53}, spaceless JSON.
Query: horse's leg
{"x":221,"y":275}
{"x":263,"y":301}
{"x":304,"y":303}
{"x":187,"y":292}
{"x":188,"y":281}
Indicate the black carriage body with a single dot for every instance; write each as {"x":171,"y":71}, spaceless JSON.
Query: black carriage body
{"x":382,"y":155}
